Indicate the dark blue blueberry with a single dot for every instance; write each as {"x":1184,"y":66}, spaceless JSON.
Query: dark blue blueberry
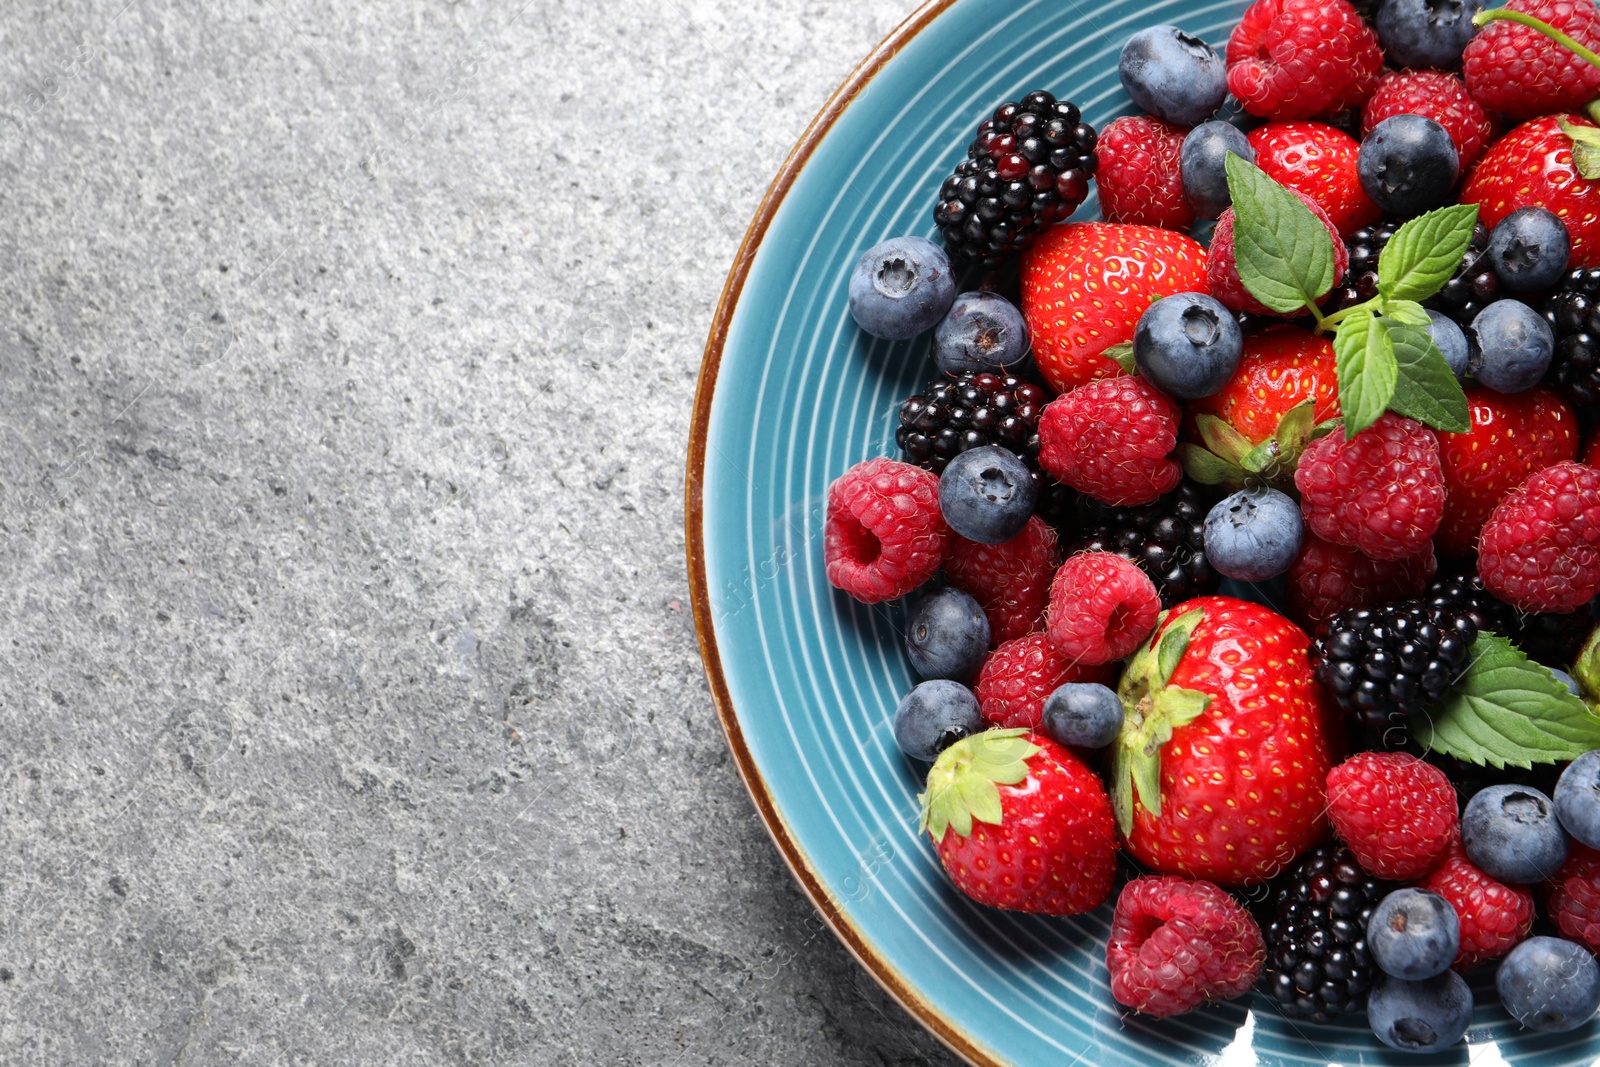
{"x":1413,"y":934}
{"x":1187,"y":345}
{"x":987,"y":494}
{"x":1407,"y":165}
{"x":1173,"y":75}
{"x":947,"y":635}
{"x":1567,"y":680}
{"x":934,"y":716}
{"x":1203,"y":163}
{"x":1085,"y":714}
{"x":982,"y":331}
{"x":1515,"y":346}
{"x":901,"y":287}
{"x":1254,"y":534}
{"x":1528,"y":249}
{"x":1577,"y":798}
{"x":1511,"y":834}
{"x":1451,"y":342}
{"x":1549,"y":984}
{"x":1426,"y":33}
{"x":1425,"y":1016}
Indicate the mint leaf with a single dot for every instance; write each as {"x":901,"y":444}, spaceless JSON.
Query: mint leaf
{"x":1363,"y":356}
{"x":1427,"y":389}
{"x":1507,"y":710}
{"x":1284,"y":253}
{"x":1407,"y":311}
{"x":1424,"y":253}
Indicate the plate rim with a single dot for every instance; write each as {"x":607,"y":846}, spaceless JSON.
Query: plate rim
{"x":866,"y":954}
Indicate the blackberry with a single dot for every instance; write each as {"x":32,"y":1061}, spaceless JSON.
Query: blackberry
{"x":1317,"y":963}
{"x":1463,"y":296}
{"x":978,"y":408}
{"x":1165,"y":537}
{"x":1381,"y":665}
{"x":1027,"y":170}
{"x":1547,"y":638}
{"x":1573,"y":312}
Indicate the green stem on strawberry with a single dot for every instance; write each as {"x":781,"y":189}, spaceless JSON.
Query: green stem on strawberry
{"x":1483,"y":18}
{"x":1327,"y":322}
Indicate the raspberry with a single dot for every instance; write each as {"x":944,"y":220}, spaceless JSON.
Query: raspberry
{"x":1540,"y":549}
{"x":1302,"y":59}
{"x":1574,"y":900}
{"x":1494,"y":917}
{"x":1222,"y":269}
{"x":1112,"y":439}
{"x":884,"y":534}
{"x":1176,"y":943}
{"x":1020,"y":674}
{"x":1011,"y":581}
{"x":1439,"y":96}
{"x":1101,"y":607}
{"x":1518,"y":70}
{"x":1326,"y":579}
{"x":1315,"y":159}
{"x":1397,"y":813}
{"x":1381,"y":491}
{"x":1166,"y":538}
{"x":1138,"y":176}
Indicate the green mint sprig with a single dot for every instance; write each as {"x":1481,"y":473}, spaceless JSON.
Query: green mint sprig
{"x":1384,"y":355}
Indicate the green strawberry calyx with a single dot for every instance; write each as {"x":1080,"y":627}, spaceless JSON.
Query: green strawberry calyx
{"x":1152,"y":710}
{"x":1586,"y":669}
{"x":964,"y":784}
{"x":1227,"y":457}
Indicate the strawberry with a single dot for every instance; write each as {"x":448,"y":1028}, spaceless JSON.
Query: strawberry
{"x":1319,"y":161}
{"x":1591,"y":451}
{"x":1513,"y":436}
{"x":1085,"y":284}
{"x":1219,"y":771}
{"x":1532,"y":167}
{"x":1021,"y":823}
{"x":1516,"y":69}
{"x":1137,"y":173}
{"x":1278,"y":369}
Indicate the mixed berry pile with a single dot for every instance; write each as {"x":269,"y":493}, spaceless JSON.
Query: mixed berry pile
{"x":1370,"y":402}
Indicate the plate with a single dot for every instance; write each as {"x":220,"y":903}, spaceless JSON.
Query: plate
{"x":805,"y":680}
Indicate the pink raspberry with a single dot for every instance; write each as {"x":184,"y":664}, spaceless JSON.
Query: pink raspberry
{"x":1324,"y":579}
{"x":1302,"y":59}
{"x":1020,"y":674}
{"x":1574,"y":900}
{"x":1137,"y":173}
{"x":1439,"y":96}
{"x":1113,"y":440}
{"x":1495,"y":918}
{"x":1381,"y":491}
{"x":1177,"y":943}
{"x":1101,"y":607}
{"x":1540,"y":549}
{"x":1518,"y":70}
{"x":1011,"y":581}
{"x":1222,"y":266}
{"x":883,"y":534}
{"x":1397,"y":813}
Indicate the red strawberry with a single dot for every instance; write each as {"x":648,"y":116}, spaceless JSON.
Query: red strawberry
{"x":1540,"y":549}
{"x":1278,"y":369}
{"x":1591,"y":451}
{"x":1219,"y":770}
{"x":1532,"y":167}
{"x":1176,"y":943}
{"x":1112,"y":440}
{"x":1439,"y":96}
{"x":1325,"y":579}
{"x":1222,"y":269}
{"x":1516,"y":69}
{"x":1319,"y":161}
{"x":1018,"y":676}
{"x":1512,"y":436}
{"x":1020,"y":823}
{"x":1010,"y":580}
{"x":1137,"y":173}
{"x":1302,"y":59}
{"x":1085,"y":284}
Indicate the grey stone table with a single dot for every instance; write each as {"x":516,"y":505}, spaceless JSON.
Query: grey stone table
{"x":351,"y":709}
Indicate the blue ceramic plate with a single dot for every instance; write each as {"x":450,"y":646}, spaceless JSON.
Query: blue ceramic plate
{"x":791,"y":394}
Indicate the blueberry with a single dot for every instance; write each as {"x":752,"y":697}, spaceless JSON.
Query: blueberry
{"x":934,"y":716}
{"x":1549,"y":984}
{"x":1577,"y":798}
{"x":982,"y":331}
{"x":1407,"y":164}
{"x":1529,"y":248}
{"x":1511,"y":834}
{"x":1085,"y":714}
{"x":1187,"y":345}
{"x":1254,"y":534}
{"x":901,"y":288}
{"x":1173,"y":75}
{"x":1203,"y":163}
{"x":1424,"y":1016}
{"x":1451,"y":342}
{"x":1426,"y":33}
{"x":947,"y":635}
{"x":1567,"y":680}
{"x":987,"y":494}
{"x":1413,"y":934}
{"x":1515,"y":346}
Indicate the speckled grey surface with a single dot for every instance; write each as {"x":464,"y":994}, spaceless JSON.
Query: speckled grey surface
{"x":350,"y":709}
